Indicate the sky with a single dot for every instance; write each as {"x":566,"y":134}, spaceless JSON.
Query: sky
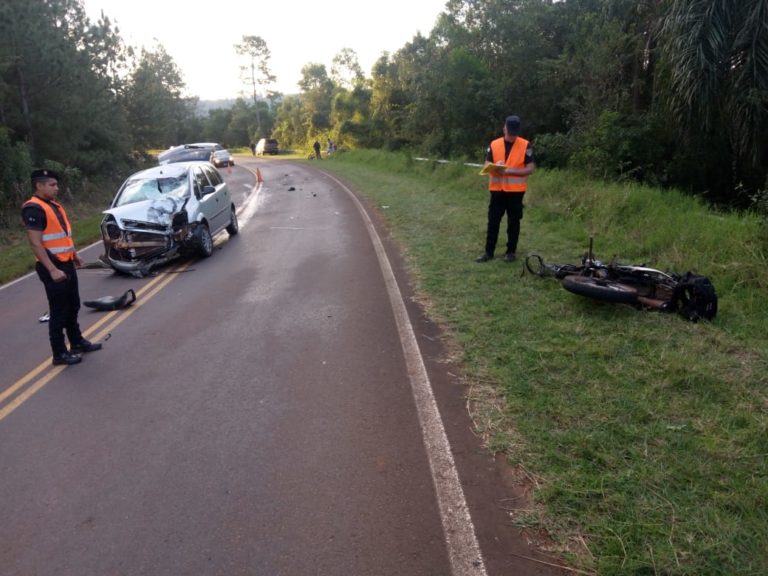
{"x":200,"y":36}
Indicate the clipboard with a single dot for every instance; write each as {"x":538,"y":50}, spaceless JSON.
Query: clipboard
{"x":491,"y":169}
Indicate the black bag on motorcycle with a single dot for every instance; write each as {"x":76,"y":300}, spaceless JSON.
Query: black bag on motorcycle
{"x":695,"y":297}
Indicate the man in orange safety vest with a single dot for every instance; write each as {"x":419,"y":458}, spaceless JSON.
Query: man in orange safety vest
{"x":510,"y":159}
{"x":50,"y":237}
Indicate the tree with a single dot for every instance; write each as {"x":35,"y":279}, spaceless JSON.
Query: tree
{"x":716,"y":72}
{"x":56,"y":93}
{"x":256,"y":72}
{"x":389,"y":100}
{"x":350,"y":118}
{"x":345,"y":69}
{"x":289,"y":124}
{"x":317,"y":91}
{"x":156,"y":109}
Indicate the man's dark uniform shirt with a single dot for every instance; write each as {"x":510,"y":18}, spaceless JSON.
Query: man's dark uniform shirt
{"x":34,"y":216}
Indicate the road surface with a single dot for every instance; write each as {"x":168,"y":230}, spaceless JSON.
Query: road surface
{"x":265,"y":411}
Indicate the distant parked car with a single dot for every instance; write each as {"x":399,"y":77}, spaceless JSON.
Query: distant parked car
{"x":189,"y":152}
{"x":221,"y":158}
{"x":163,"y":212}
{"x":267,"y":146}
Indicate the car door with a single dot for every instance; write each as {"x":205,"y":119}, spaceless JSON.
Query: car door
{"x":214,"y":206}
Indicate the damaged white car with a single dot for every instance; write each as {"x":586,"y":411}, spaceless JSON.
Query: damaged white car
{"x":163,"y":212}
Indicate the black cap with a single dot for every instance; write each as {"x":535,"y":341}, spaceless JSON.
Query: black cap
{"x":44,"y":175}
{"x":513,"y":124}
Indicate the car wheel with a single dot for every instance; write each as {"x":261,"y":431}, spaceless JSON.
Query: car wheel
{"x":233,"y":227}
{"x":205,"y":241}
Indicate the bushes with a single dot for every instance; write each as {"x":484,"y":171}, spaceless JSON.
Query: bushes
{"x":616,"y":148}
{"x":15,"y":166}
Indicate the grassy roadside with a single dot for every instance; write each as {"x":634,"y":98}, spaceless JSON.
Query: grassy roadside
{"x":645,"y":435}
{"x":16,"y":258}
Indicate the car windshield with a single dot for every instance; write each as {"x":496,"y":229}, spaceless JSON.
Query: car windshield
{"x":140,"y":189}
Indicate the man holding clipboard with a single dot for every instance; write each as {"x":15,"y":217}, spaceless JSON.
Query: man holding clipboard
{"x":508,"y":163}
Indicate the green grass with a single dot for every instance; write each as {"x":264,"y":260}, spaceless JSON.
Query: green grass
{"x":16,"y":258}
{"x":646,"y":434}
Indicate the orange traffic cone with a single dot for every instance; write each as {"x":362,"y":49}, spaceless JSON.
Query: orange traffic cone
{"x":258,"y":176}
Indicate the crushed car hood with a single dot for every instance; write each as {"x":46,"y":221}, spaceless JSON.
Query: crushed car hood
{"x":159,"y":211}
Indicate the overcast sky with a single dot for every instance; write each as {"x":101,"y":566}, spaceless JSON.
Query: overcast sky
{"x":200,"y":40}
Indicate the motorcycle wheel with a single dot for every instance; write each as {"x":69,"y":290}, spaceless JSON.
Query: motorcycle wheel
{"x":599,"y":289}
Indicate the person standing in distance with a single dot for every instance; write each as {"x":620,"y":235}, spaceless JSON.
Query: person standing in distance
{"x":507,"y":185}
{"x":50,"y":237}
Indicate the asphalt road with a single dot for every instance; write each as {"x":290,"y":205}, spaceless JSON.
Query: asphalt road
{"x":253,"y":413}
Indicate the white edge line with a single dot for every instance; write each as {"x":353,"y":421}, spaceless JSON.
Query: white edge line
{"x":248,"y":209}
{"x":459,"y":531}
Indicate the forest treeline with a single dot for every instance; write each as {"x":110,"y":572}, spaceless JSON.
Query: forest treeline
{"x":669,"y":92}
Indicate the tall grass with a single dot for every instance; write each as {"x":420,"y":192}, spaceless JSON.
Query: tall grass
{"x":84,"y":209}
{"x":16,"y":258}
{"x":646,"y":434}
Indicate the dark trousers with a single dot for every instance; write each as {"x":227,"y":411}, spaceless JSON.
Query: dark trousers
{"x":63,"y":304}
{"x":511,"y":204}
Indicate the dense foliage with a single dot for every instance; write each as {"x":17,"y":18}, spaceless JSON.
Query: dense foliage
{"x":669,"y":92}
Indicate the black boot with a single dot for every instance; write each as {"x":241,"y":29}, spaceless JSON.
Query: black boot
{"x":84,"y":346}
{"x":66,"y":359}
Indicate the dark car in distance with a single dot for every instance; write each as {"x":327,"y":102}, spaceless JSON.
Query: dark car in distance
{"x":198,"y":151}
{"x":220,"y":158}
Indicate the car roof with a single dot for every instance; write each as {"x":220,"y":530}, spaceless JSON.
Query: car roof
{"x":174,"y":169}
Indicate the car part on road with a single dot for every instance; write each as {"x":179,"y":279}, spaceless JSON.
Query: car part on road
{"x":108,"y":303}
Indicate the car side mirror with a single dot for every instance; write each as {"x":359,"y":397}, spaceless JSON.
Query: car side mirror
{"x":208,"y":190}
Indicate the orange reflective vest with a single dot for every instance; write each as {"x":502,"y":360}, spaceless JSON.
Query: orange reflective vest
{"x":56,"y":239}
{"x":516,"y":159}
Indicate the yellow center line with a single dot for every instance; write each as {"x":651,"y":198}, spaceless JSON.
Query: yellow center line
{"x":149,"y":289}
{"x":21,"y":398}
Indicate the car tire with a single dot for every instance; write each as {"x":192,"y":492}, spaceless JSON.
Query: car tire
{"x":233,"y":227}
{"x":204,"y":241}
